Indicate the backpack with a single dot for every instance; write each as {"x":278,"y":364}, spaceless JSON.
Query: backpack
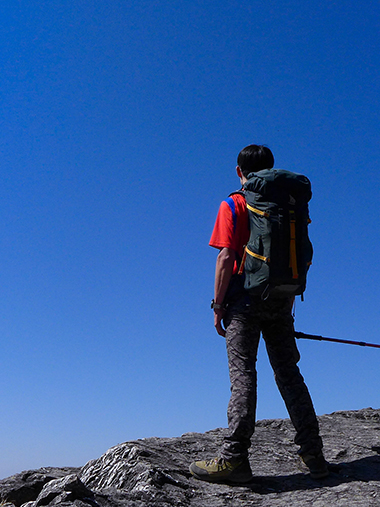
{"x":279,"y":252}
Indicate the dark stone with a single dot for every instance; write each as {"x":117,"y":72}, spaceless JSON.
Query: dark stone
{"x":67,"y":489}
{"x":26,"y":486}
{"x":154,"y":471}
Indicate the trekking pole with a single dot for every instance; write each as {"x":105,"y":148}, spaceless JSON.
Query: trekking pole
{"x":298,"y":334}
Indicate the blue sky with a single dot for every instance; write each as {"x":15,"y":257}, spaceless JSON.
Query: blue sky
{"x":121,"y":124}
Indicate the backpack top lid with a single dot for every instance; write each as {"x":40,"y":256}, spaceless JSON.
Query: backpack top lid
{"x":278,"y":184}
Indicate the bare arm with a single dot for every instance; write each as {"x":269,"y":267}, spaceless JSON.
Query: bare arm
{"x":223,"y":272}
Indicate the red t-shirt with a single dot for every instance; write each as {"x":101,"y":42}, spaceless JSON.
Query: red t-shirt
{"x":231,"y":229}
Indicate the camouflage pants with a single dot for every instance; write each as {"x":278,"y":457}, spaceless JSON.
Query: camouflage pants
{"x":244,"y":321}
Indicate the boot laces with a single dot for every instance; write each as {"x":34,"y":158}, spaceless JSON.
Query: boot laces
{"x":220,"y":462}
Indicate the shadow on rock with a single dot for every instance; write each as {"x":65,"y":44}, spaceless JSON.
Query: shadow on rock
{"x":362,"y":470}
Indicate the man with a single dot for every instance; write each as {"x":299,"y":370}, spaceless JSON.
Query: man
{"x":240,"y":318}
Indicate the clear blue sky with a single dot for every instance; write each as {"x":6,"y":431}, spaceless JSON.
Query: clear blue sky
{"x":120,"y":126}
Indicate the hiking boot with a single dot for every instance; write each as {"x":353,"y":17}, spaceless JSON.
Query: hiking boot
{"x":220,"y":470}
{"x":317,"y":465}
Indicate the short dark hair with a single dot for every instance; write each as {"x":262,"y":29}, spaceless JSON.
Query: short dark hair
{"x":254,"y":158}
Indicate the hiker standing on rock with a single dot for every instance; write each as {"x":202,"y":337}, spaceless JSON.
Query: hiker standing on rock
{"x":259,"y":301}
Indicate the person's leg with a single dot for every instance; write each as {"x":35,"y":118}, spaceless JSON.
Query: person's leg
{"x":242,"y":339}
{"x":278,"y":333}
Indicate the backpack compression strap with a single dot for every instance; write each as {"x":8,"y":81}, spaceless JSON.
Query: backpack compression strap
{"x":253,"y":254}
{"x":258,"y":211}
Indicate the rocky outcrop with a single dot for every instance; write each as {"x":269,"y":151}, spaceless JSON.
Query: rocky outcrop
{"x":154,"y":471}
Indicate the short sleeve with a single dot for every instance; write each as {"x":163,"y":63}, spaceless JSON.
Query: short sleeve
{"x":231,"y":229}
{"x":223,"y":235}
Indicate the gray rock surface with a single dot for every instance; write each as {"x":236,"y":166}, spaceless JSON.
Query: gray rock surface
{"x":154,"y":471}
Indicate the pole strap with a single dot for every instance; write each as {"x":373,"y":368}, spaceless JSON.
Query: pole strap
{"x":241,"y":268}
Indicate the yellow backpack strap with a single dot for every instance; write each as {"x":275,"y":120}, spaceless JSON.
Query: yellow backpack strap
{"x":257,"y":256}
{"x":258,"y":211}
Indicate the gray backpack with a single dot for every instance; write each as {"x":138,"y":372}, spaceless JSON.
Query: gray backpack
{"x":279,"y":252}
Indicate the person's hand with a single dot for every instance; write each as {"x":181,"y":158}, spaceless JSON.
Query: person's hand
{"x":218,"y":317}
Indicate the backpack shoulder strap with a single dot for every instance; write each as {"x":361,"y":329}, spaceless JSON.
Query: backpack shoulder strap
{"x":231,"y":204}
{"x":238,"y":192}
{"x":240,"y":262}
